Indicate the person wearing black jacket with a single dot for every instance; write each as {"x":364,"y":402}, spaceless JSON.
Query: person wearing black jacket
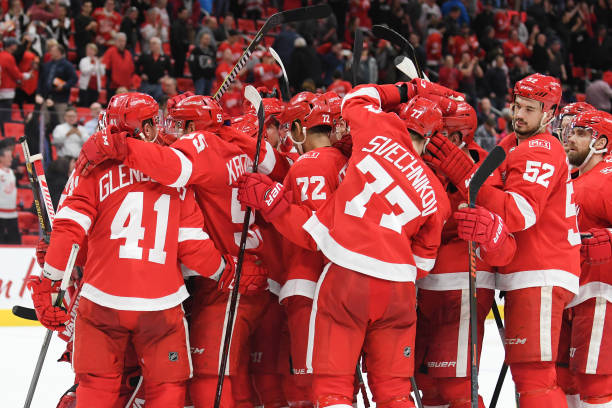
{"x":152,"y":67}
{"x":129,"y":26}
{"x":84,"y":29}
{"x":202,"y":64}
{"x":55,"y":80}
{"x":179,"y":41}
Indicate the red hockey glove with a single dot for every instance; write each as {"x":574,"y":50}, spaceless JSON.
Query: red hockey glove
{"x":425,"y":88}
{"x":441,"y":154}
{"x":41,"y":252}
{"x":482,"y":226}
{"x":52,"y":317}
{"x":101,"y":146}
{"x":345,"y":145}
{"x":253,"y":277}
{"x":597,"y":248}
{"x":172,"y":102}
{"x":258,"y":191}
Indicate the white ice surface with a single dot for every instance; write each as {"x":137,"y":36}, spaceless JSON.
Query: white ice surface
{"x":21,"y":346}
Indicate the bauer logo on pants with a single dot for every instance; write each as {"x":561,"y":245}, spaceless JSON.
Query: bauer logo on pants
{"x":173,"y":356}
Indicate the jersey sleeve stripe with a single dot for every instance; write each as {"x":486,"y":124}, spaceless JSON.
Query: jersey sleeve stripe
{"x":425,"y":264}
{"x":592,"y":290}
{"x":267,"y":164}
{"x":367,"y":91}
{"x":52,"y":272}
{"x":186,"y":170}
{"x":274,"y":287}
{"x":67,"y":213}
{"x":525,"y":209}
{"x":188,"y":234}
{"x":297,"y":287}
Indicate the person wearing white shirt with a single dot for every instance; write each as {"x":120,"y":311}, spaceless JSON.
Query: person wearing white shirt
{"x":92,"y":124}
{"x":9,"y":227}
{"x":92,"y":72}
{"x":68,"y":137}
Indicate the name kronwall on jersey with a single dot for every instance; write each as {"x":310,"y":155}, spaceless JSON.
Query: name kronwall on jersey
{"x":395,"y":153}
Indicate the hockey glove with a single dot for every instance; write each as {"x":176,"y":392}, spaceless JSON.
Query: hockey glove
{"x":41,"y":252}
{"x":101,"y":146}
{"x":43,"y":289}
{"x":345,"y":145}
{"x":482,"y":226}
{"x":172,"y":102}
{"x":441,"y":154}
{"x":425,"y":88}
{"x":597,"y":248}
{"x":253,"y":277}
{"x":258,"y":191}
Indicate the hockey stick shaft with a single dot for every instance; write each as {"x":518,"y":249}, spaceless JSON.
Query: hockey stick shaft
{"x":362,"y":387}
{"x":289,"y":16}
{"x":417,"y":393}
{"x":286,"y":93}
{"x":44,"y":225}
{"x":45,"y":346}
{"x":488,"y":166}
{"x":400,"y":41}
{"x":357,"y":50}
{"x":253,"y":96}
{"x":37,"y":163}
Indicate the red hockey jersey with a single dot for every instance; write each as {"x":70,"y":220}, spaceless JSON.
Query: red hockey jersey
{"x":536,"y":203}
{"x":593,"y":196}
{"x":137,"y":230}
{"x":310,"y":182}
{"x":386,"y":217}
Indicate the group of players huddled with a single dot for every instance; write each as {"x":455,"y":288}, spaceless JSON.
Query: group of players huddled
{"x":357,"y":251}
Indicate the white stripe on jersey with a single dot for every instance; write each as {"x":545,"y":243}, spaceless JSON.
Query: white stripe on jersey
{"x":186,"y":170}
{"x":188,"y":234}
{"x":67,"y":213}
{"x":525,"y":209}
{"x":546,"y":323}
{"x":599,"y":318}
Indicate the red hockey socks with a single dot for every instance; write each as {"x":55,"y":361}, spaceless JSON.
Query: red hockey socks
{"x":536,"y":384}
{"x":595,"y":390}
{"x":269,"y":387}
{"x":390,"y":392}
{"x":457,"y":390}
{"x":333,"y":390}
{"x":98,"y":391}
{"x":165,"y":395}
{"x":203,"y":388}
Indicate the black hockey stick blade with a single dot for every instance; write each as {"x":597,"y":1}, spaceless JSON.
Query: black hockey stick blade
{"x":391,"y":35}
{"x":24,"y":312}
{"x":357,"y":50}
{"x":488,"y":166}
{"x":283,"y":17}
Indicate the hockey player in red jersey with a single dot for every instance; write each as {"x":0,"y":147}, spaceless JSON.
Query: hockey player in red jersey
{"x":536,"y":204}
{"x":443,"y":297}
{"x":381,"y":227}
{"x":561,"y":127}
{"x":138,"y":232}
{"x":590,"y":353}
{"x":211,"y":165}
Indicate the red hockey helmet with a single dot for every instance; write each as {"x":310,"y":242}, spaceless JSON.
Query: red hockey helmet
{"x":203,"y":111}
{"x":246,"y":123}
{"x":541,"y":88}
{"x":562,"y":125}
{"x":421,"y":116}
{"x":463,"y":120}
{"x":273,"y":108}
{"x":309,"y":109}
{"x":335,"y":103}
{"x":599,"y":123}
{"x":576,"y":108}
{"x":127,"y":111}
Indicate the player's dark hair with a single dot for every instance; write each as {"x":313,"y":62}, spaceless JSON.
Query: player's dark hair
{"x":320,"y":129}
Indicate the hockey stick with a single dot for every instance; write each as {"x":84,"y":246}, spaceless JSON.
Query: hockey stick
{"x":362,"y":388}
{"x":417,"y":394}
{"x":396,"y":38}
{"x":504,"y":369}
{"x":357,"y":50}
{"x":283,"y":17}
{"x":286,"y":94}
{"x":253,"y":96}
{"x":490,"y":163}
{"x":406,"y":66}
{"x":36,"y":160}
{"x":45,"y":346}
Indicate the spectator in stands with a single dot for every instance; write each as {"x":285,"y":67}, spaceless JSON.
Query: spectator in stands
{"x":85,"y":28}
{"x":168,"y":86}
{"x":56,"y":78}
{"x":254,"y":9}
{"x":430,"y":15}
{"x":556,"y":66}
{"x":9,"y":227}
{"x":9,"y":78}
{"x":108,"y":23}
{"x":483,"y":110}
{"x":489,"y":44}
{"x":520,"y":69}
{"x":331,"y":60}
{"x":208,"y":27}
{"x":129,"y":26}
{"x":222,"y":32}
{"x":539,"y":57}
{"x":339,"y":86}
{"x":486,"y":135}
{"x":470,"y":70}
{"x":452,"y":22}
{"x":39,"y":11}
{"x":521,"y":29}
{"x":449,"y":75}
{"x":305,"y":64}
{"x":179,"y":42}
{"x":513,"y":46}
{"x":68,"y":137}
{"x":601,"y":53}
{"x":599,"y":93}
{"x":151,"y":28}
{"x":450,"y":6}
{"x":225,"y":66}
{"x":496,"y":79}
{"x":152,"y":67}
{"x":92,"y":124}
{"x":367,"y":72}
{"x":202,"y":64}
{"x":92,"y":72}
{"x":60,"y":28}
{"x":14,"y":22}
{"x":57,"y":176}
{"x":161,"y":6}
{"x":29,"y":64}
{"x":119,"y":65}
{"x":285,"y":42}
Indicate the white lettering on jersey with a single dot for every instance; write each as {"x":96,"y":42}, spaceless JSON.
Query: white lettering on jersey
{"x":237,"y":166}
{"x":120,"y":176}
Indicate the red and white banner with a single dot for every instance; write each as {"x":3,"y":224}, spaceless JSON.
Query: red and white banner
{"x":17,"y":263}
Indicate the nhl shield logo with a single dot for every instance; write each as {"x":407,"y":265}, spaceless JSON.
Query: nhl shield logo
{"x":173,"y":356}
{"x":407,"y":351}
